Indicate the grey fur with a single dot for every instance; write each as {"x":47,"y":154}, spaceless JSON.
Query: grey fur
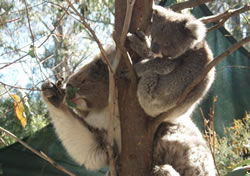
{"x":184,"y":57}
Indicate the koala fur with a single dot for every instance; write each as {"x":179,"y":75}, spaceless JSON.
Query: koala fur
{"x":180,"y":40}
{"x":180,"y":150}
{"x":83,"y":131}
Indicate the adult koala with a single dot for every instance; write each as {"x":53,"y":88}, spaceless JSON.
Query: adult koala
{"x":83,"y":130}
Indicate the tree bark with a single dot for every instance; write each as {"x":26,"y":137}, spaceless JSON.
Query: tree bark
{"x":137,"y":140}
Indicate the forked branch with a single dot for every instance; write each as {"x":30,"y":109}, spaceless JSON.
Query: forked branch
{"x":220,"y":19}
{"x":188,"y":4}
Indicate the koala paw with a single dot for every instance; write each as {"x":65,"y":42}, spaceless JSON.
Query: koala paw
{"x":164,"y":170}
{"x":138,"y":43}
{"x":52,"y":94}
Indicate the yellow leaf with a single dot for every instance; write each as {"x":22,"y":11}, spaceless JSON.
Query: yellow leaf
{"x":19,"y":109}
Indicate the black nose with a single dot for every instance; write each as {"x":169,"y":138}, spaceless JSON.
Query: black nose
{"x":155,"y":47}
{"x":69,"y":86}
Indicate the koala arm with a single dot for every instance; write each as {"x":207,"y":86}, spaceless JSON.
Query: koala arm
{"x":80,"y":142}
{"x":157,"y":93}
{"x":161,"y":66}
{"x":165,"y":170}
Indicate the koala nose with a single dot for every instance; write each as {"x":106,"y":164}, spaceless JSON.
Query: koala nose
{"x":155,"y":47}
{"x":69,"y":86}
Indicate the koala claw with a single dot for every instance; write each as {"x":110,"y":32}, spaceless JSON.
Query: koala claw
{"x":52,"y":94}
{"x":164,"y":170}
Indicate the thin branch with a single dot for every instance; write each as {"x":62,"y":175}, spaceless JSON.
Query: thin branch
{"x":201,"y":77}
{"x":17,"y":87}
{"x":31,"y":33}
{"x":15,"y":61}
{"x":40,"y":154}
{"x":51,"y":32}
{"x":104,"y":54}
{"x":218,"y":25}
{"x":188,"y":4}
{"x":10,"y":21}
{"x":209,"y":137}
{"x":227,"y":14}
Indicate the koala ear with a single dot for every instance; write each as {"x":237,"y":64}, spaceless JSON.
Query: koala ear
{"x":197,"y":29}
{"x":158,"y":14}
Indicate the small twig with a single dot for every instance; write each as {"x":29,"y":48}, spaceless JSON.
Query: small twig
{"x":227,"y":14}
{"x":188,"y":4}
{"x":51,"y":32}
{"x":195,"y":82}
{"x":223,"y":17}
{"x":15,"y":61}
{"x":31,"y":33}
{"x":17,"y":87}
{"x":208,"y":130}
{"x":218,"y":25}
{"x":10,"y":21}
{"x":40,"y":154}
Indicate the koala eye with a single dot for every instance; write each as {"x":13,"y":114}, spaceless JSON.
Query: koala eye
{"x":166,"y":43}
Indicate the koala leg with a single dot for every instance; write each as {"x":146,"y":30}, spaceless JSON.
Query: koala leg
{"x":80,"y":142}
{"x":164,"y":170}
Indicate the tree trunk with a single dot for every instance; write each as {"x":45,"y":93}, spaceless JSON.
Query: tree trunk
{"x":137,"y":139}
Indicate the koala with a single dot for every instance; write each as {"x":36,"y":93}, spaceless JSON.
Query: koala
{"x":83,"y":129}
{"x":180,"y":150}
{"x":181,"y":54}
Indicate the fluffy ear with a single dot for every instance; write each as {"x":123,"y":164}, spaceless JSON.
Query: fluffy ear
{"x":197,"y":28}
{"x":158,"y":14}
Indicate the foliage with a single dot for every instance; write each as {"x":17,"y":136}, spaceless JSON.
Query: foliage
{"x":233,"y":149}
{"x":37,"y":118}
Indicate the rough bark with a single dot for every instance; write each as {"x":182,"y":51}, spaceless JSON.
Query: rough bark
{"x":136,"y":155}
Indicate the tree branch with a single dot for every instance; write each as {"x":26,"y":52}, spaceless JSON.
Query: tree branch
{"x":223,"y":17}
{"x":188,"y":4}
{"x":201,"y":77}
{"x":104,"y":54}
{"x":226,"y":14}
{"x":40,"y":154}
{"x":113,"y":99}
{"x":136,"y":140}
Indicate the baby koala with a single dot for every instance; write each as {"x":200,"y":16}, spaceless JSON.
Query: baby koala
{"x":180,"y":55}
{"x":83,"y":129}
{"x":178,"y":41}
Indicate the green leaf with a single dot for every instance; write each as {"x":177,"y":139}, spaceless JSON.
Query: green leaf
{"x":239,"y":172}
{"x":70,"y":93}
{"x":243,"y":163}
{"x":31,"y":52}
